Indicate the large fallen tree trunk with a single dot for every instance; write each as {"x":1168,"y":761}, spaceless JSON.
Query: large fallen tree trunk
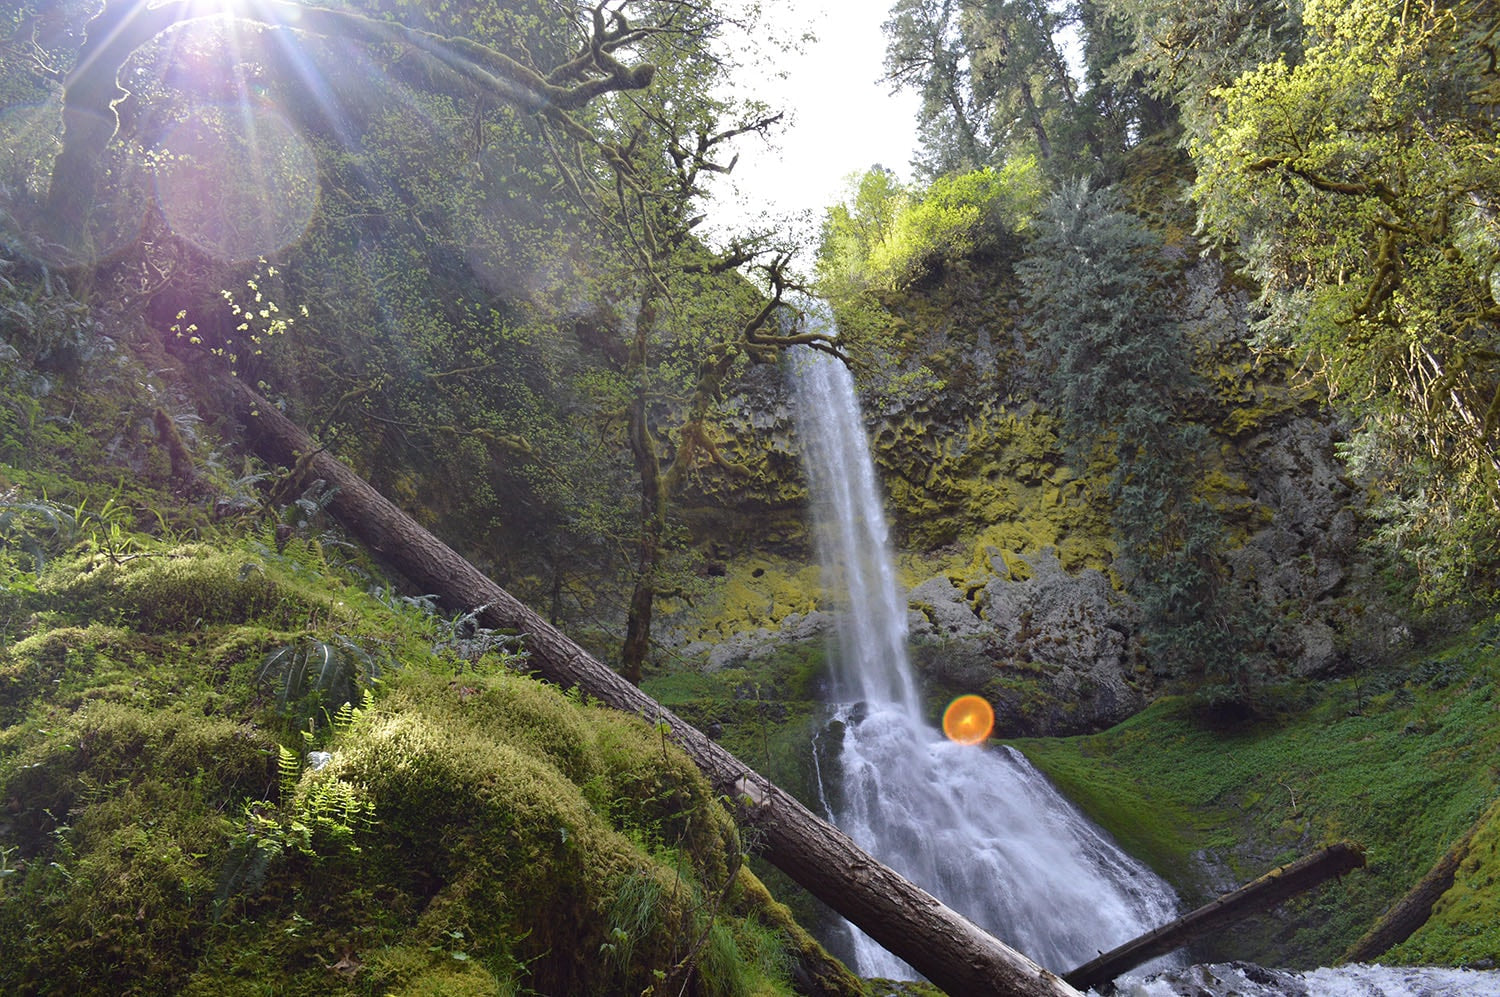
{"x":938,"y":942}
{"x":1255,"y":896}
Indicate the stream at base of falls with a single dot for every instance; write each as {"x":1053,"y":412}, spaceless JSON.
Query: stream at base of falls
{"x":1237,"y":979}
{"x":987,"y":834}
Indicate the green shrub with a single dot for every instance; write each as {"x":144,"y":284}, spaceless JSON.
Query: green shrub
{"x":885,"y":235}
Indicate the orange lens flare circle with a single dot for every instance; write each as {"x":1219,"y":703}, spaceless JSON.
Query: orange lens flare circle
{"x":969,"y":720}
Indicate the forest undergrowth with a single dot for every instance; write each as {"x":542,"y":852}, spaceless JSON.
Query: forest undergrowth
{"x":236,"y":758}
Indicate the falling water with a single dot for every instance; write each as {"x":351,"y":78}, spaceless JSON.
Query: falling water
{"x":981,"y":830}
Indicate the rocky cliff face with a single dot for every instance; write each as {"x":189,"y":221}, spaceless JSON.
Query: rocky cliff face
{"x":1006,"y":547}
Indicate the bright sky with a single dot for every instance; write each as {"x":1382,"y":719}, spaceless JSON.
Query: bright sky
{"x":843,"y":120}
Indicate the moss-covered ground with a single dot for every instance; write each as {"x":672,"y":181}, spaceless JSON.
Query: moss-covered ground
{"x":1403,"y":762}
{"x":471,"y":830}
{"x":768,"y":712}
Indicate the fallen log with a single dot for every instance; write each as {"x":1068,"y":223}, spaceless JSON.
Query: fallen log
{"x":1412,"y":910}
{"x":939,"y":943}
{"x":1252,"y":898}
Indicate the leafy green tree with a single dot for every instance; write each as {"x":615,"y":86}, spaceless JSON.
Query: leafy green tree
{"x":1100,"y":300}
{"x":688,"y":317}
{"x":92,"y":91}
{"x":1360,"y":185}
{"x":886,"y":235}
{"x":994,"y":82}
{"x":924,"y":54}
{"x":1183,"y":53}
{"x":509,"y":314}
{"x":859,"y":228}
{"x":1128,"y":113}
{"x":431,"y":357}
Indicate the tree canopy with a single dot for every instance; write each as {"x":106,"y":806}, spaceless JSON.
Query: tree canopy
{"x":1359,"y":184}
{"x":482,"y":215}
{"x":1341,"y":155}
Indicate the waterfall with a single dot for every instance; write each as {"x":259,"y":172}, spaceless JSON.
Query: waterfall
{"x":981,"y":830}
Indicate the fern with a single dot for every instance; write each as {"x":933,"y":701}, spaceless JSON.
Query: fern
{"x":288,"y":770}
{"x":333,"y":674}
{"x":324,"y":812}
{"x":463,"y":637}
{"x":39,"y":528}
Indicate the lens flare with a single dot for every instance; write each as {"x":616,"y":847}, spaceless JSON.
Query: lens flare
{"x":969,"y":720}
{"x":238,"y":181}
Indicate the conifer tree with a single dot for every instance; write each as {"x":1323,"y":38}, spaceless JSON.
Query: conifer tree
{"x":1100,"y":305}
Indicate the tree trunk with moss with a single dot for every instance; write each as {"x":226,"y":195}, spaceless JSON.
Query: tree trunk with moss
{"x":934,"y":939}
{"x":1412,"y":911}
{"x":1254,"y":897}
{"x":653,"y":500}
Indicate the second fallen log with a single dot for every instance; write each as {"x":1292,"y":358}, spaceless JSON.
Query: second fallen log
{"x":1252,"y":898}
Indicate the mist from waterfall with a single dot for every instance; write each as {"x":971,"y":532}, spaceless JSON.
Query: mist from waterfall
{"x":980,"y":829}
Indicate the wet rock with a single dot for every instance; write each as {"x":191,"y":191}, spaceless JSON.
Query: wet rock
{"x":752,"y":645}
{"x":941,"y":613}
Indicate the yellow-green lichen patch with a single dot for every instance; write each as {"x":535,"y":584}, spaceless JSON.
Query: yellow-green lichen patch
{"x":992,"y":494}
{"x":759,"y":592}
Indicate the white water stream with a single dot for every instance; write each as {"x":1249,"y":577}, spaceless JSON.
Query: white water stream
{"x":979,"y":829}
{"x":1246,"y":980}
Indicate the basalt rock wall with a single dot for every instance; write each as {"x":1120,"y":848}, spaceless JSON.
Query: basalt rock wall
{"x":1005,"y":546}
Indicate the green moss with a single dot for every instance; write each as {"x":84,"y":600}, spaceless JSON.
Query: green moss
{"x":120,"y":823}
{"x":825,"y":975}
{"x":180,"y":588}
{"x":1154,"y":826}
{"x":1403,"y":770}
{"x":464,"y":980}
{"x":1464,"y":928}
{"x":474,"y":833}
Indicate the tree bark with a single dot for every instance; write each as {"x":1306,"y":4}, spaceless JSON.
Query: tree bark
{"x":1412,"y":910}
{"x":1256,"y":896}
{"x":938,"y":942}
{"x":90,"y":91}
{"x":653,"y":502}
